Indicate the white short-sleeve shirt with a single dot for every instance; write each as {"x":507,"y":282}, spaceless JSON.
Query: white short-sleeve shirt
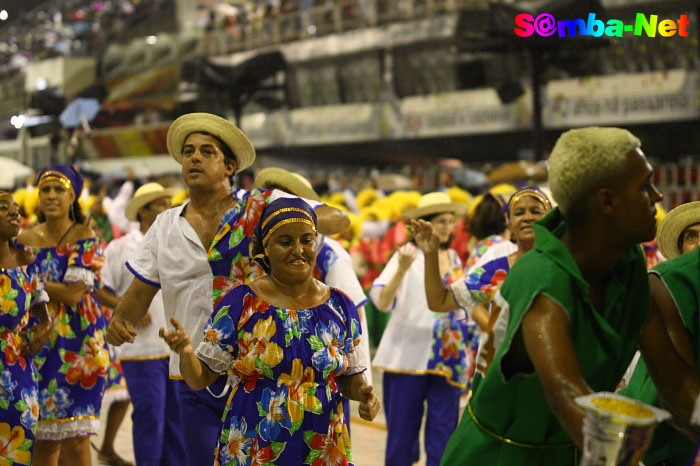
{"x":116,"y":276}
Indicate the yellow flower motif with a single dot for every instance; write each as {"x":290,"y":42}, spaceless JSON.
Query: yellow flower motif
{"x":5,"y":285}
{"x":7,"y":305}
{"x":101,"y":354}
{"x":298,"y":383}
{"x":260,"y":346}
{"x":10,"y":442}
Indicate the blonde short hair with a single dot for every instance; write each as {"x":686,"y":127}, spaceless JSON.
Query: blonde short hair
{"x":583,"y":158}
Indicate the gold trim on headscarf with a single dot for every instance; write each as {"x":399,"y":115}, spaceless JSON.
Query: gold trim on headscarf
{"x":288,"y":221}
{"x":283,"y":210}
{"x":55,"y":176}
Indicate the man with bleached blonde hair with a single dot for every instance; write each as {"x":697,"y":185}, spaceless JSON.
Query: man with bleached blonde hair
{"x":587,"y":157}
{"x":573,"y":311}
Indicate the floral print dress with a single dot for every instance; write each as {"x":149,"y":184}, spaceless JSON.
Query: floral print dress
{"x":286,"y":407}
{"x":73,"y":364}
{"x":455,"y":339}
{"x":21,"y":288}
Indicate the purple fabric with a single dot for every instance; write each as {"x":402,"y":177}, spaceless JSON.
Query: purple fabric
{"x":268,"y":219}
{"x":404,"y":395}
{"x":200,"y":437}
{"x":156,"y":416}
{"x":69,"y":172}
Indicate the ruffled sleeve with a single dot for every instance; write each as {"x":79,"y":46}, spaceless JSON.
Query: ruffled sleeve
{"x":219,"y":346}
{"x":84,"y":262}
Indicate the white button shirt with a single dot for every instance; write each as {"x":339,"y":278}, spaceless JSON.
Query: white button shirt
{"x":173,"y":259}
{"x":115,"y":275}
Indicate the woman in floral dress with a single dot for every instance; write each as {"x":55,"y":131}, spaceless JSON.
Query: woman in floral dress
{"x":74,"y":363}
{"x":289,"y":341}
{"x":476,"y":291}
{"x":424,"y":355}
{"x":21,"y":294}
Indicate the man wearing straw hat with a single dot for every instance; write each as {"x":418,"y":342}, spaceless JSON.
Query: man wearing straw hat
{"x":198,"y":251}
{"x":156,"y":431}
{"x":675,"y":289}
{"x":572,"y":311}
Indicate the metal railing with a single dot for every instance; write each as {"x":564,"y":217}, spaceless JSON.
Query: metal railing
{"x":332,"y":17}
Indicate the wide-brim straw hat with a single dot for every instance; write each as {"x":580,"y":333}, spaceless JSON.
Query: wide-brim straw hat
{"x":673,"y":225}
{"x":433,"y":204}
{"x":147,"y":193}
{"x":290,"y":182}
{"x":234,"y":138}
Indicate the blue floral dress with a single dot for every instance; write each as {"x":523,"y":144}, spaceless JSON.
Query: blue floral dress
{"x":286,"y":407}
{"x":21,"y":288}
{"x":74,"y":363}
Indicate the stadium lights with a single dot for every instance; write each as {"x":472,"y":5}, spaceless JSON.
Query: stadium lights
{"x":17,"y":121}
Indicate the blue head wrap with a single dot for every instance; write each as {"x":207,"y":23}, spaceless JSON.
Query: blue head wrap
{"x":532,"y":191}
{"x":65,"y":174}
{"x":282,"y":212}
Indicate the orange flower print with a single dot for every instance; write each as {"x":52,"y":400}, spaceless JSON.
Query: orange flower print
{"x":86,"y":366}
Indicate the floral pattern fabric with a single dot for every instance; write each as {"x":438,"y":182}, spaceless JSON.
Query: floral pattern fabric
{"x":485,"y":280}
{"x":230,"y":254}
{"x":20,"y":289}
{"x":452,"y":352}
{"x":73,"y":364}
{"x":480,"y":249}
{"x":286,"y":406}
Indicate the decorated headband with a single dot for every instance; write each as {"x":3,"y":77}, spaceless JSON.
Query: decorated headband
{"x":532,"y":191}
{"x":282,"y":212}
{"x":65,"y":174}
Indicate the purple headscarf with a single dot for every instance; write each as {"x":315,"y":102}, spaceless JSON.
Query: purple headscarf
{"x":65,"y":174}
{"x":532,"y":191}
{"x":282,"y":212}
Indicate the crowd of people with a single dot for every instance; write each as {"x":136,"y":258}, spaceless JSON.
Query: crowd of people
{"x":237,"y":322}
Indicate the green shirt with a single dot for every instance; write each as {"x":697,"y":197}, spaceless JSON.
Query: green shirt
{"x":681,"y":276}
{"x":605,"y":342}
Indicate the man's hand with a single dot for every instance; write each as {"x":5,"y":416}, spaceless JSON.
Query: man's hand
{"x":369,"y":404}
{"x":425,"y":235}
{"x":120,"y":331}
{"x":178,"y":340}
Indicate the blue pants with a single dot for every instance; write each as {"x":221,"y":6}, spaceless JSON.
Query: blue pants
{"x":200,"y":415}
{"x":404,"y":395}
{"x":156,"y":418}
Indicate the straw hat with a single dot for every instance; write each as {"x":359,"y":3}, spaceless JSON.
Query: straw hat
{"x":223,"y":129}
{"x":290,"y":182}
{"x":147,"y":193}
{"x":434,"y":203}
{"x":673,"y":225}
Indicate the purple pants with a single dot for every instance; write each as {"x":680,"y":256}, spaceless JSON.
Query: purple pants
{"x":156,"y":419}
{"x":201,"y":422}
{"x":404,"y":395}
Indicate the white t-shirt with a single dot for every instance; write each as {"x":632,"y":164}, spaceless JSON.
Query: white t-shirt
{"x":408,"y":337}
{"x":340,"y":274}
{"x":116,"y":276}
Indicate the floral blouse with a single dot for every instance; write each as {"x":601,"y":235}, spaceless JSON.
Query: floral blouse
{"x":73,"y":365}
{"x":285,"y":408}
{"x":21,"y":289}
